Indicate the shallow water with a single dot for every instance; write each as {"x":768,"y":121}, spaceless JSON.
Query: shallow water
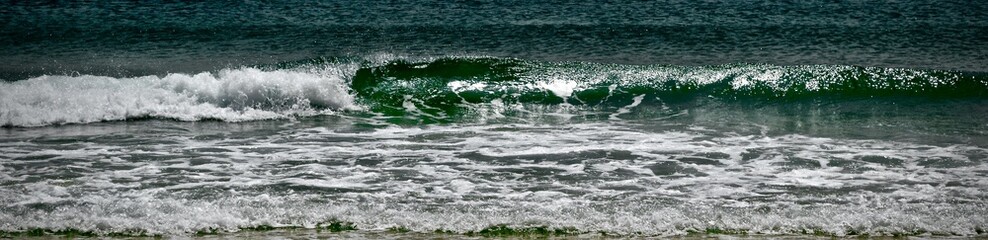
{"x":618,"y":176}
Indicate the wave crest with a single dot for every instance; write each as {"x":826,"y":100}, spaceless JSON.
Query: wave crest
{"x":451,"y":86}
{"x":229,"y":95}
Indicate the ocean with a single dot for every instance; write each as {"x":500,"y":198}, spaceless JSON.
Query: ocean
{"x":449,"y":119}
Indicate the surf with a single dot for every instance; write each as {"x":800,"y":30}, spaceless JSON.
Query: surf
{"x":458,"y":88}
{"x":232,"y":95}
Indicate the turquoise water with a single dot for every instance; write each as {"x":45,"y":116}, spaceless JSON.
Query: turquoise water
{"x":635,"y":118}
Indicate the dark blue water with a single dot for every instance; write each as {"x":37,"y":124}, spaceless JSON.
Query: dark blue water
{"x":137,"y":38}
{"x":633,"y":118}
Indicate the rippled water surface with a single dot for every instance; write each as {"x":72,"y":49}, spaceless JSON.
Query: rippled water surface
{"x":471,"y":119}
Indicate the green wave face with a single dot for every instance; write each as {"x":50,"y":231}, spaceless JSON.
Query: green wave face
{"x":449,"y":88}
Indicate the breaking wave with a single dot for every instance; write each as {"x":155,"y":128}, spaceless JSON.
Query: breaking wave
{"x":450,"y":89}
{"x":229,"y":95}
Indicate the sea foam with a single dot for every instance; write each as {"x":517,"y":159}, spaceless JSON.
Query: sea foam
{"x":233,"y":95}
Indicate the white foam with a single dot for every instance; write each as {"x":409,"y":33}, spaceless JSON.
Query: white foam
{"x":460,"y":86}
{"x":626,"y":109}
{"x":560,"y":87}
{"x":466,"y":178}
{"x":230,"y":95}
